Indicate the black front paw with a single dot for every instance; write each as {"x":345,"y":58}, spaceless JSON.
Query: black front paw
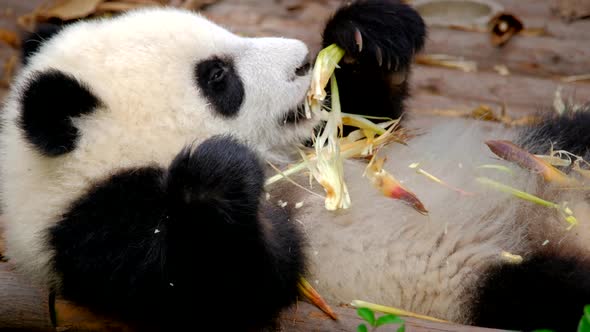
{"x":384,"y":33}
{"x":218,"y":233}
{"x":220,"y":174}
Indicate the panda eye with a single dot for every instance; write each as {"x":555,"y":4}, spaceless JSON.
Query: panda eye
{"x":212,"y":72}
{"x":218,"y":81}
{"x":217,"y":74}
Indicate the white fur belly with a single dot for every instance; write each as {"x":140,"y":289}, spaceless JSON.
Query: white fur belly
{"x":383,"y":251}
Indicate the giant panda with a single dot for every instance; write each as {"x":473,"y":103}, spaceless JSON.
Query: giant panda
{"x":132,"y":174}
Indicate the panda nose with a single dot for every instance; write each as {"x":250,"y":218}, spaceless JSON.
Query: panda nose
{"x":303,"y":68}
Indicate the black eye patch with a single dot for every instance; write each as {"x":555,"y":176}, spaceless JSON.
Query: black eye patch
{"x":221,"y":85}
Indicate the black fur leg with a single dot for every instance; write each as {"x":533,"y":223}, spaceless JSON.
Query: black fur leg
{"x":159,"y":246}
{"x":543,"y":292}
{"x":107,"y":250}
{"x":380,"y":38}
{"x":570,"y":132}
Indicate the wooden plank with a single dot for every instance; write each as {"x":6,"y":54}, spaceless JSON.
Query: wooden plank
{"x":539,"y":13}
{"x":22,"y":307}
{"x":543,"y":56}
{"x":258,"y":18}
{"x":540,"y":8}
{"x":425,"y":103}
{"x":557,"y":28}
{"x":517,"y":92}
{"x":305,"y":317}
{"x":527,"y":7}
{"x":2,"y":245}
{"x":70,"y":317}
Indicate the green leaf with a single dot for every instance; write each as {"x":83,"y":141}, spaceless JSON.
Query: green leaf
{"x":362,"y":328}
{"x":584,"y":325}
{"x":388,"y":319}
{"x":402,"y":328}
{"x":367,"y":314}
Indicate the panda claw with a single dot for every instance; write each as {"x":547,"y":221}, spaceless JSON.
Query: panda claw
{"x":379,"y":56}
{"x":358,"y":37}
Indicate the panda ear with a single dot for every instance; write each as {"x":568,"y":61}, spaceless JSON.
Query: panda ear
{"x":31,"y":42}
{"x":48,"y":102}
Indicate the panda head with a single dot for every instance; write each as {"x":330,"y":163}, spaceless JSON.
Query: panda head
{"x":148,"y":82}
{"x":103,"y":96}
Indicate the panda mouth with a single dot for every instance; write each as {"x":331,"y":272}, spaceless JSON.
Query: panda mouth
{"x":295,"y":115}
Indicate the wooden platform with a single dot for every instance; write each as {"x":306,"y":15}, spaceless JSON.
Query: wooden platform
{"x":538,"y":64}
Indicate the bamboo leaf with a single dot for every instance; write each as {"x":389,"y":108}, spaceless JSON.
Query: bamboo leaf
{"x":367,"y":314}
{"x":388,"y":319}
{"x":584,"y":325}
